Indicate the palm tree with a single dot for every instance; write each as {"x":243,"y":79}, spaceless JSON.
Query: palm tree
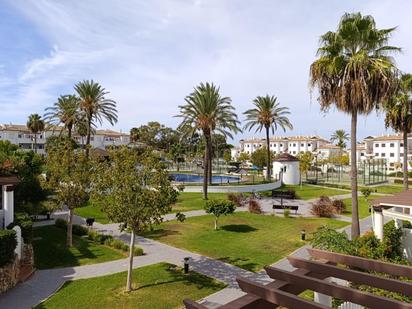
{"x":399,"y":117}
{"x":355,"y":73}
{"x":81,"y":128}
{"x":340,"y":137}
{"x":65,"y":111}
{"x":35,"y":124}
{"x":207,"y":111}
{"x":267,"y":114}
{"x":95,"y":106}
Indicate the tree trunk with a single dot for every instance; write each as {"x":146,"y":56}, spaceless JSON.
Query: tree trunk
{"x":355,"y":231}
{"x":35,"y":142}
{"x":130,"y":269}
{"x":215,"y":223}
{"x":405,"y":160}
{"x":89,"y":128}
{"x":69,"y":131}
{"x":210,"y":160}
{"x":70,"y":229}
{"x":268,"y":169}
{"x":206,"y":165}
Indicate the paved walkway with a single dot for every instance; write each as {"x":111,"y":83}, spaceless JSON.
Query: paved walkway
{"x":45,"y":282}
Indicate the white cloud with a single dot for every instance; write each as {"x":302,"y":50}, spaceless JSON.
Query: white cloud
{"x":149,"y":54}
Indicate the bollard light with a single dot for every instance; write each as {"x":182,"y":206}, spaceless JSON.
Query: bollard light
{"x":303,"y":234}
{"x":186,"y":264}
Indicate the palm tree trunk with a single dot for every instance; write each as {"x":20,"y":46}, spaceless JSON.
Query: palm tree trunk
{"x":405,"y":160}
{"x":70,"y":229}
{"x":69,"y":131}
{"x":210,"y":160}
{"x":206,"y":165}
{"x":130,"y":269}
{"x":35,"y":142}
{"x":268,"y":155}
{"x":89,"y":128}
{"x":355,"y":232}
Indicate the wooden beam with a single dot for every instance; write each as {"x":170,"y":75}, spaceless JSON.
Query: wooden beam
{"x":341,"y":292}
{"x":276,"y":296}
{"x":368,"y":264}
{"x":353,"y":276}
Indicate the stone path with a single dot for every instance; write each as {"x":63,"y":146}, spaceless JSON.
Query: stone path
{"x":45,"y":282}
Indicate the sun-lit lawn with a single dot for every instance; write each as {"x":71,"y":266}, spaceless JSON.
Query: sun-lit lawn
{"x":50,"y":250}
{"x":243,"y":239}
{"x":92,"y":210}
{"x":307,"y":192}
{"x":192,"y":201}
{"x":160,"y":286}
{"x":387,"y":189}
{"x":363,"y":206}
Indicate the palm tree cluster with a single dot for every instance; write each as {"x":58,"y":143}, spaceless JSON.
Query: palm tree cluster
{"x":207,"y":112}
{"x":82,"y":111}
{"x":356,"y":74}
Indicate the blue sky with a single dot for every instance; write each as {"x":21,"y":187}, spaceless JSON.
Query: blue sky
{"x":150,"y":54}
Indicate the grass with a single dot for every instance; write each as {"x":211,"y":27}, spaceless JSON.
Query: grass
{"x":50,"y":250}
{"x":363,"y":206}
{"x":387,"y":189}
{"x":92,"y":210}
{"x":160,"y":286}
{"x":308,"y":192}
{"x":243,"y":239}
{"x":193,"y":201}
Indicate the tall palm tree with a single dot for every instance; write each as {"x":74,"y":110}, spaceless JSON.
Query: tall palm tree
{"x":268,"y":115}
{"x":95,"y":106}
{"x":65,"y":111}
{"x":355,"y":73}
{"x":207,"y":111}
{"x":340,"y":137}
{"x":35,"y":124}
{"x":399,"y":117}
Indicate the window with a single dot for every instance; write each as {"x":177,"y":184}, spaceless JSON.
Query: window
{"x":19,"y":135}
{"x":309,"y":145}
{"x":382,"y":154}
{"x":302,"y":144}
{"x":401,"y":154}
{"x":281,"y":145}
{"x":392,"y":145}
{"x":401,"y":144}
{"x":376,"y":145}
{"x":383,"y":145}
{"x":392,"y":155}
{"x":376,"y":154}
{"x":362,"y":154}
{"x":294,"y":152}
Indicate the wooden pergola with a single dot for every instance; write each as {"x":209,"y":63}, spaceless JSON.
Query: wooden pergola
{"x":315,"y":275}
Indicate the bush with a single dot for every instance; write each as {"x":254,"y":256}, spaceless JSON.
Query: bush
{"x":392,"y":241}
{"x":254,"y":207}
{"x":286,"y":212}
{"x":24,"y":222}
{"x":60,"y":223}
{"x":99,"y":238}
{"x":8,"y":243}
{"x":236,"y":198}
{"x":326,"y":238}
{"x":120,"y":245}
{"x":339,"y":206}
{"x":138,"y":251}
{"x":323,"y":207}
{"x":79,"y":230}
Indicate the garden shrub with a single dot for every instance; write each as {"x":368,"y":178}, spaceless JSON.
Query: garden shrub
{"x":323,"y":207}
{"x":326,"y":238}
{"x":79,"y":230}
{"x":339,"y":206}
{"x":392,"y":241}
{"x":368,"y":246}
{"x":138,"y":251}
{"x":8,"y":243}
{"x":99,"y":238}
{"x":60,"y":223}
{"x":120,"y":245}
{"x":254,"y":207}
{"x":236,"y":198}
{"x":23,"y":220}
{"x":286,"y":212}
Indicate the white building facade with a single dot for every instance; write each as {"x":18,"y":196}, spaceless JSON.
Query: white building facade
{"x":21,"y":136}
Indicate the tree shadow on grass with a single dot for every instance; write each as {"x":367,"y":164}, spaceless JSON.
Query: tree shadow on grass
{"x":238,"y":228}
{"x":242,"y":263}
{"x":160,"y":233}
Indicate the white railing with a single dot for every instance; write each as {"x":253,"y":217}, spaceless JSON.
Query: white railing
{"x":349,"y":305}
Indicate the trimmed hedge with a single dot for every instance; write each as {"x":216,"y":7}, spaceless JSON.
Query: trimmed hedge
{"x":76,"y":229}
{"x":8,"y":243}
{"x":24,"y":221}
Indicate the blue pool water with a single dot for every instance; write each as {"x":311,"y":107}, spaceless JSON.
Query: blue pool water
{"x":197,"y":178}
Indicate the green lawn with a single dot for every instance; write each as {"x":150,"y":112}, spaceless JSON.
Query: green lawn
{"x":362,"y":205}
{"x":192,"y":201}
{"x":92,"y":210}
{"x":307,"y":192}
{"x":158,"y":286}
{"x":245,"y":240}
{"x":387,"y":189}
{"x":50,"y":250}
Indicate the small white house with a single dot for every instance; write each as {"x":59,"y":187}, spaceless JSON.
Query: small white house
{"x":7,"y":184}
{"x":286,"y":168}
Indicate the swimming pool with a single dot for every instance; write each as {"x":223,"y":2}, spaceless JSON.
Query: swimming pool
{"x":198,"y":178}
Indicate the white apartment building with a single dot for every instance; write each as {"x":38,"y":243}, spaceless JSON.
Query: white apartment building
{"x":278,"y":144}
{"x":20,"y":135}
{"x":325,"y":151}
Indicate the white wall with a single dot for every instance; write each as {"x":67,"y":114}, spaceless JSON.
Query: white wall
{"x":246,"y":188}
{"x":407,"y":243}
{"x":290,"y":171}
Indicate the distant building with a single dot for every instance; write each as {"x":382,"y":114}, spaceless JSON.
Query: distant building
{"x":279,"y":144}
{"x":21,"y":136}
{"x":327,"y":151}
